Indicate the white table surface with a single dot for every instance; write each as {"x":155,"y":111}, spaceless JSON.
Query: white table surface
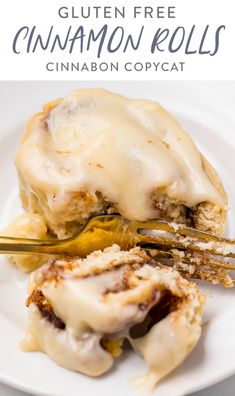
{"x":224,"y":388}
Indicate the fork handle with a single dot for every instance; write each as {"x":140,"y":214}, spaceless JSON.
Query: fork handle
{"x":12,"y":245}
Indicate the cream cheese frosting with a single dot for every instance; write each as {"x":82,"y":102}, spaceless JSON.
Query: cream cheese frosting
{"x":125,"y":149}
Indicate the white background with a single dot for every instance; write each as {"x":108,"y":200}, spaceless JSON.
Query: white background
{"x":44,"y":13}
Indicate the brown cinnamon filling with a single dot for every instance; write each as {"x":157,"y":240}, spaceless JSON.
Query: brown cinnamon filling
{"x":45,"y":308}
{"x":167,"y":304}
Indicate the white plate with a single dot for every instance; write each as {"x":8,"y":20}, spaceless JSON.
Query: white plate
{"x":207,"y":111}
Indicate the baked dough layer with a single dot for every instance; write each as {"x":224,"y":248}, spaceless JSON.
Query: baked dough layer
{"x":188,"y":192}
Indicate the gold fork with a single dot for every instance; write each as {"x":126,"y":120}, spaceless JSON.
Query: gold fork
{"x":194,"y":253}
{"x":105,"y":230}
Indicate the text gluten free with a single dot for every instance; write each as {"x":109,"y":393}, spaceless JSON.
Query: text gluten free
{"x":108,"y":12}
